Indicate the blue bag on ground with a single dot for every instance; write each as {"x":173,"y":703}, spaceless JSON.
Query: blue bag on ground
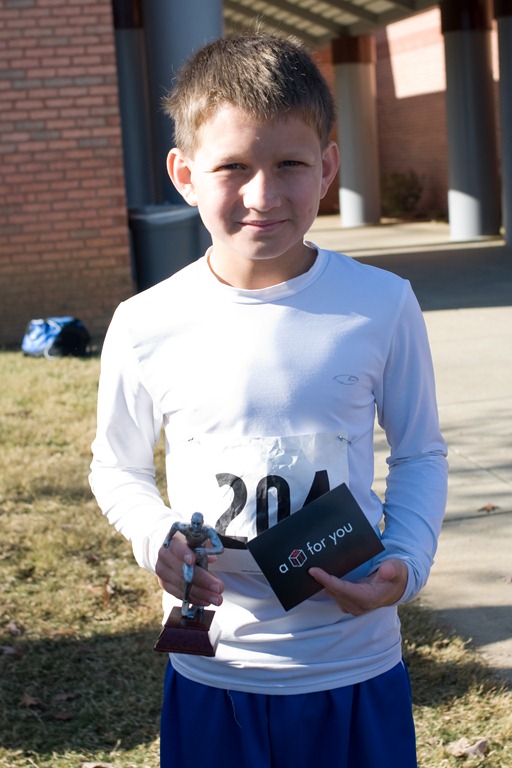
{"x":55,"y":337}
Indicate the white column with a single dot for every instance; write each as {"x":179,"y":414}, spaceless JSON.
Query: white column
{"x":503,"y":14}
{"x":473,"y":197}
{"x":134,"y":102}
{"x":174,"y":30}
{"x":355,"y":83}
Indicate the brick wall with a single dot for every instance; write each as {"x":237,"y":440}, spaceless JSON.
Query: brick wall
{"x":64,"y":245}
{"x":411,"y":104}
{"x":411,"y":107}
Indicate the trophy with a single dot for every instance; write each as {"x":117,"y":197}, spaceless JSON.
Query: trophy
{"x":189,"y":629}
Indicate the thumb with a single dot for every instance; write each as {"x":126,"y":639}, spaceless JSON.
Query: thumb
{"x":388,"y":571}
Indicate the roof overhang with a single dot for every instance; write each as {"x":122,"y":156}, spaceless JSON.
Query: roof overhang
{"x":317,"y":22}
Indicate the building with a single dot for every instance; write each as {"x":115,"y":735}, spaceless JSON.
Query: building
{"x":83,"y":142}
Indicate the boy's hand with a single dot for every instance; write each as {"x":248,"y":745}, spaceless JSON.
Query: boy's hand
{"x":206,"y":588}
{"x":383,"y":587}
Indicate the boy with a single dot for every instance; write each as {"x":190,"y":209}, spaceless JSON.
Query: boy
{"x":265,"y":361}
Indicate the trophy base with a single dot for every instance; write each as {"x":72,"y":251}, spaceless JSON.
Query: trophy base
{"x":193,"y":636}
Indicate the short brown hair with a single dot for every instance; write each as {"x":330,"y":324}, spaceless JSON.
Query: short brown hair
{"x":264,"y":75}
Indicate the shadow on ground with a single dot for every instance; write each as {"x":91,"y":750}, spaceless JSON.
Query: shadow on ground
{"x":65,"y":694}
{"x":104,"y":692}
{"x":453,"y":279}
{"x":442,"y":666}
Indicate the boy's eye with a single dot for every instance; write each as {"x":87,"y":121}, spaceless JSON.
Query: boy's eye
{"x":291,"y":163}
{"x":231,"y":167}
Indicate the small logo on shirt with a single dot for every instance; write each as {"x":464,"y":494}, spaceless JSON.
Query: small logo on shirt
{"x":346,"y":378}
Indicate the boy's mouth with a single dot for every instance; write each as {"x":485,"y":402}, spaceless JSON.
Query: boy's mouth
{"x":266,"y":225}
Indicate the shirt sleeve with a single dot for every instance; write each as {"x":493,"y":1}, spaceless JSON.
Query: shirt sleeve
{"x":122,"y":474}
{"x":416,"y":489}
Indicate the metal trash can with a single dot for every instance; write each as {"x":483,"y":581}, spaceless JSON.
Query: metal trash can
{"x":165,"y":238}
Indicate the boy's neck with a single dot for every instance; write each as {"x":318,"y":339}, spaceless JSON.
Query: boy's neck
{"x":253,"y":275}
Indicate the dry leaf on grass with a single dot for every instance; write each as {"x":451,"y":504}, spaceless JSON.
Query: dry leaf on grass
{"x":29,"y":701}
{"x":109,"y":589}
{"x":64,"y":715}
{"x":13,"y":628}
{"x":95,"y":765}
{"x":8,"y":650}
{"x":106,"y":591}
{"x":464,"y":748}
{"x":488,"y":508}
{"x":64,"y":696}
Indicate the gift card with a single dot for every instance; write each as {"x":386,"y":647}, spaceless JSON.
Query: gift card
{"x":331,"y":533}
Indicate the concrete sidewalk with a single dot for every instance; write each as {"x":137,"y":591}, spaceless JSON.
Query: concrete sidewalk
{"x":465,"y":290}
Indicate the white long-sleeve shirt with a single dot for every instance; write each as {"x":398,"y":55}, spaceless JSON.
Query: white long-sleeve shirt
{"x":280,"y":382}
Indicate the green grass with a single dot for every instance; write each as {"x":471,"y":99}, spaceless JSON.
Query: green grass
{"x":80,"y":685}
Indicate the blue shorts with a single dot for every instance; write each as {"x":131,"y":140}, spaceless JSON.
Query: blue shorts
{"x":368,"y":725}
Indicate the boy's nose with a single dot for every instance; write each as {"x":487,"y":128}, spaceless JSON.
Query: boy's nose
{"x":261,"y":192}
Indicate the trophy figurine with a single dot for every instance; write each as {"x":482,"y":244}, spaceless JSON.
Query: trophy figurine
{"x":189,"y":629}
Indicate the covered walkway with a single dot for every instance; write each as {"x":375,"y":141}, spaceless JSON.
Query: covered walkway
{"x":155,"y":36}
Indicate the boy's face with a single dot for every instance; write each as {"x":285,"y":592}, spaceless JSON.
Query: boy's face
{"x":258,"y":185}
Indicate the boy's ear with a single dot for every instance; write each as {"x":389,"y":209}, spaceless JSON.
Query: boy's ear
{"x":179,"y":169}
{"x":330,"y":165}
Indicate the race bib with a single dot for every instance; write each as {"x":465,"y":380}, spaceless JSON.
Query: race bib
{"x":244,"y":489}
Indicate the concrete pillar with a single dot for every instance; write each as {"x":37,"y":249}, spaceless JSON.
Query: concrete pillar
{"x":134,"y":102}
{"x":503,"y":15}
{"x":355,"y":82}
{"x":174,"y":30}
{"x":473,"y":197}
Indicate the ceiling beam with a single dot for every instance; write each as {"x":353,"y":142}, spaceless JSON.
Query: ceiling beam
{"x":296,"y":10}
{"x":303,"y":13}
{"x":364,"y":21}
{"x":274,"y":25}
{"x":407,"y":5}
{"x":354,"y":10}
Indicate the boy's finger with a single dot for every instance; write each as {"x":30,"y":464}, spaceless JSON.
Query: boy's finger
{"x":324,"y":578}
